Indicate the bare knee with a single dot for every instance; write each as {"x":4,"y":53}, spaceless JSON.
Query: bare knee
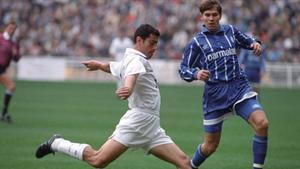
{"x":100,"y":163}
{"x":184,"y":162}
{"x":261,"y":126}
{"x":94,"y":158}
{"x":11,"y":87}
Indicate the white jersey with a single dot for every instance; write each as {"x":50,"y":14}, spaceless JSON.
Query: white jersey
{"x":146,"y":95}
{"x":118,"y":47}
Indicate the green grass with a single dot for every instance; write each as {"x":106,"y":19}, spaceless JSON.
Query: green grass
{"x":88,"y":112}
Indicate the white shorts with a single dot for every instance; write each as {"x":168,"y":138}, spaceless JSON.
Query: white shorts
{"x":137,"y":129}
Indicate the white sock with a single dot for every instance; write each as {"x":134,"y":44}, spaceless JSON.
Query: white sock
{"x":65,"y":146}
{"x":8,"y":92}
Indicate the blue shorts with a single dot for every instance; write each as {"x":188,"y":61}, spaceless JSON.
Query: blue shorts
{"x":223,"y":95}
{"x":213,"y":121}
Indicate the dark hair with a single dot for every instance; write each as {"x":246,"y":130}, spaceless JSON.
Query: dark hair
{"x":209,"y":4}
{"x":144,"y":31}
{"x":11,"y":23}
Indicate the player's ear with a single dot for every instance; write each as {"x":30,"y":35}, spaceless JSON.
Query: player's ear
{"x":201,"y":16}
{"x":139,"y":40}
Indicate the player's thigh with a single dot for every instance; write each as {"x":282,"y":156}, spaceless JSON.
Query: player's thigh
{"x":170,"y":153}
{"x":246,"y":108}
{"x":6,"y":80}
{"x":252,"y":112}
{"x":109,"y":151}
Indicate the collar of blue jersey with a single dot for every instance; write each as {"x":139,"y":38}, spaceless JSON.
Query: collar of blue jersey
{"x":134,"y":51}
{"x":205,"y":30}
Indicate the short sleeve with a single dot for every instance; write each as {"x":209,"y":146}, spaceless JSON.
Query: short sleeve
{"x":135,"y":66}
{"x":115,"y":68}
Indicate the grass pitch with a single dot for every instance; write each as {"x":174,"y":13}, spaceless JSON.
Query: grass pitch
{"x":88,"y":113}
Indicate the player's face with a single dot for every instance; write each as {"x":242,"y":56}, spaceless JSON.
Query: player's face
{"x":10,"y":29}
{"x":211,"y":19}
{"x":149,"y":45}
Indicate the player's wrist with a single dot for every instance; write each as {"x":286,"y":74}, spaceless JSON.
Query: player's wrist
{"x":196,"y":74}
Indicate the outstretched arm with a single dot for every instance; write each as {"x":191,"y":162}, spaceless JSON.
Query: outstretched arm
{"x":93,"y":65}
{"x":129,"y":83}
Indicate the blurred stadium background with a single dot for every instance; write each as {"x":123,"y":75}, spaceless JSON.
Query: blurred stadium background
{"x":56,"y":94}
{"x":70,"y":30}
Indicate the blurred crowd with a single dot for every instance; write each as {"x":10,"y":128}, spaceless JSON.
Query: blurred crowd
{"x":76,"y":28}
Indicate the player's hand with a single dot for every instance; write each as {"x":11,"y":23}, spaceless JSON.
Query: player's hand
{"x":256,"y":47}
{"x":91,"y":65}
{"x":203,"y":75}
{"x":243,"y":66}
{"x":123,"y":92}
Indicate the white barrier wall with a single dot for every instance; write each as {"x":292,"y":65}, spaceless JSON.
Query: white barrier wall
{"x":282,"y":74}
{"x":41,"y":69}
{"x":60,"y":69}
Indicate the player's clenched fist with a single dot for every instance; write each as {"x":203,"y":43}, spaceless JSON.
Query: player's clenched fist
{"x":123,"y":92}
{"x":203,"y":75}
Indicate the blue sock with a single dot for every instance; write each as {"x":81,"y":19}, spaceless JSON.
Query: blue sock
{"x":260,"y":145}
{"x":198,"y":158}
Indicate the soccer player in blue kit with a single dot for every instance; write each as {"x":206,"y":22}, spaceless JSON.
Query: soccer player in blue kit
{"x":211,"y":57}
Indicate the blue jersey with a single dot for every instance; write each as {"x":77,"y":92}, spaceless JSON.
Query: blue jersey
{"x":215,"y":52}
{"x":253,"y":65}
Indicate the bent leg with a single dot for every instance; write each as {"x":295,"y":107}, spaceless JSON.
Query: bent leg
{"x":252,"y":111}
{"x":259,"y":123}
{"x":213,"y":123}
{"x":109,"y":151}
{"x":173,"y":154}
{"x":204,"y":150}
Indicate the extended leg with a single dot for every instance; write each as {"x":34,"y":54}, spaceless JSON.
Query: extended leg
{"x":96,"y":158}
{"x":259,"y":122}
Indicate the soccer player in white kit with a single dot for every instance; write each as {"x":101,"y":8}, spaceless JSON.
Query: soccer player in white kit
{"x":140,"y":125}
